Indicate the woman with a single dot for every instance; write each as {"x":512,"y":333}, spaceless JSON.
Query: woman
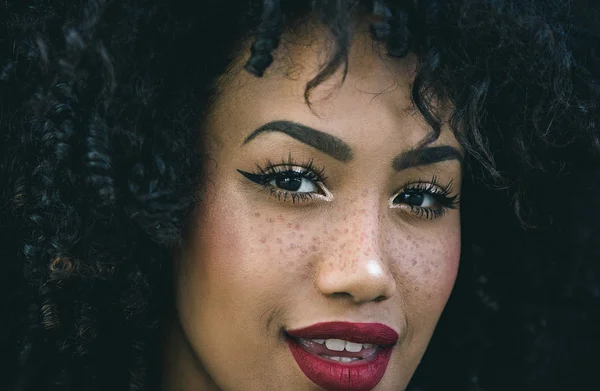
{"x":262,"y":195}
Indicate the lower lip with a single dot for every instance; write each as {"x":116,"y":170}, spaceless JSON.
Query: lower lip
{"x":338,"y":376}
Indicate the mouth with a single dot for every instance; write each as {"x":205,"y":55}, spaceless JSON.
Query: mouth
{"x":343,"y":356}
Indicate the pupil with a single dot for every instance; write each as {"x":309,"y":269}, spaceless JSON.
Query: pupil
{"x":290,"y":182}
{"x":414,"y":199}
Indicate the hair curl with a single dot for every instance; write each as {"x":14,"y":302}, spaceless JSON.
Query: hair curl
{"x":100,"y":160}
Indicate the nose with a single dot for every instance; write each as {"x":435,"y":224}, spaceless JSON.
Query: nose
{"x":356,"y":268}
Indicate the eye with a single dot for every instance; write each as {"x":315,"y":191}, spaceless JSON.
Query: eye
{"x":426,"y":200}
{"x":414,"y":197}
{"x":291,"y":182}
{"x":294,"y":182}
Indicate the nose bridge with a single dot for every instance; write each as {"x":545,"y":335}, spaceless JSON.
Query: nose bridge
{"x":356,"y":266}
{"x":364,"y":227}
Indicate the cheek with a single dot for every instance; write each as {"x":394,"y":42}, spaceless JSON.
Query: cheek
{"x":255,"y":253}
{"x":283,"y":239}
{"x":428,"y":266}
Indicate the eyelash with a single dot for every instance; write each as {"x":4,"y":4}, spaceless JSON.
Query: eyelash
{"x":265,"y":174}
{"x":432,"y":187}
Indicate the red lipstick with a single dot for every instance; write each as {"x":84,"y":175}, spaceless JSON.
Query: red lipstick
{"x":343,"y":356}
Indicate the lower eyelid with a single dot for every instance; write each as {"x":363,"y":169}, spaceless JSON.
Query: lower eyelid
{"x":424,"y":213}
{"x":327,"y":196}
{"x":287,"y":196}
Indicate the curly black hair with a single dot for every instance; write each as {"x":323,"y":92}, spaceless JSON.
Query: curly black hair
{"x":100,"y":160}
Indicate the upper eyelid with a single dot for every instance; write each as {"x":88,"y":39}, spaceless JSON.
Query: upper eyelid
{"x":318,"y":175}
{"x":284,"y":168}
{"x":426,"y":186}
{"x":434,"y":188}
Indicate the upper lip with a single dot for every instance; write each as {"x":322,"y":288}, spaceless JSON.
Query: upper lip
{"x":372,"y":333}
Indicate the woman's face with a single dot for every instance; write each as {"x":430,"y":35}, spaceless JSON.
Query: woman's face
{"x":326,"y":246}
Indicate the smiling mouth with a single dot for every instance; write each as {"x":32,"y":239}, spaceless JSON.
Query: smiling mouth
{"x":339,"y":350}
{"x":343,"y":356}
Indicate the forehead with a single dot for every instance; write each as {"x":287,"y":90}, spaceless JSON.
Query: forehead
{"x":374,"y":98}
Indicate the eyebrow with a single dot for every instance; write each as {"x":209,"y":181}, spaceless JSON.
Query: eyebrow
{"x":426,"y":156}
{"x":339,"y":150}
{"x":324,"y":142}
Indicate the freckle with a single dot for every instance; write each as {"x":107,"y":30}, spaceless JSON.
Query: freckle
{"x":414,"y":262}
{"x":313,"y":248}
{"x":270,"y":220}
{"x":289,"y":225}
{"x":303,"y":251}
{"x":301,"y":236}
{"x":297,"y":227}
{"x":278,"y":240}
{"x":263,"y":240}
{"x":256,"y":214}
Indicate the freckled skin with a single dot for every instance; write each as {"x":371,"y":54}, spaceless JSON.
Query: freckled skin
{"x":256,"y":265}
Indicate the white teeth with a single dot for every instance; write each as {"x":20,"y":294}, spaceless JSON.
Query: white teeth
{"x":353,"y":347}
{"x":335,"y":344}
{"x":339,"y":345}
{"x":342,"y":359}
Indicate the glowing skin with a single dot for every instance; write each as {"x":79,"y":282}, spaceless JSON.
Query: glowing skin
{"x":257,"y":265}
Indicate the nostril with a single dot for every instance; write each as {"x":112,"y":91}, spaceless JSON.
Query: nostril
{"x":356,"y":297}
{"x":342,"y":295}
